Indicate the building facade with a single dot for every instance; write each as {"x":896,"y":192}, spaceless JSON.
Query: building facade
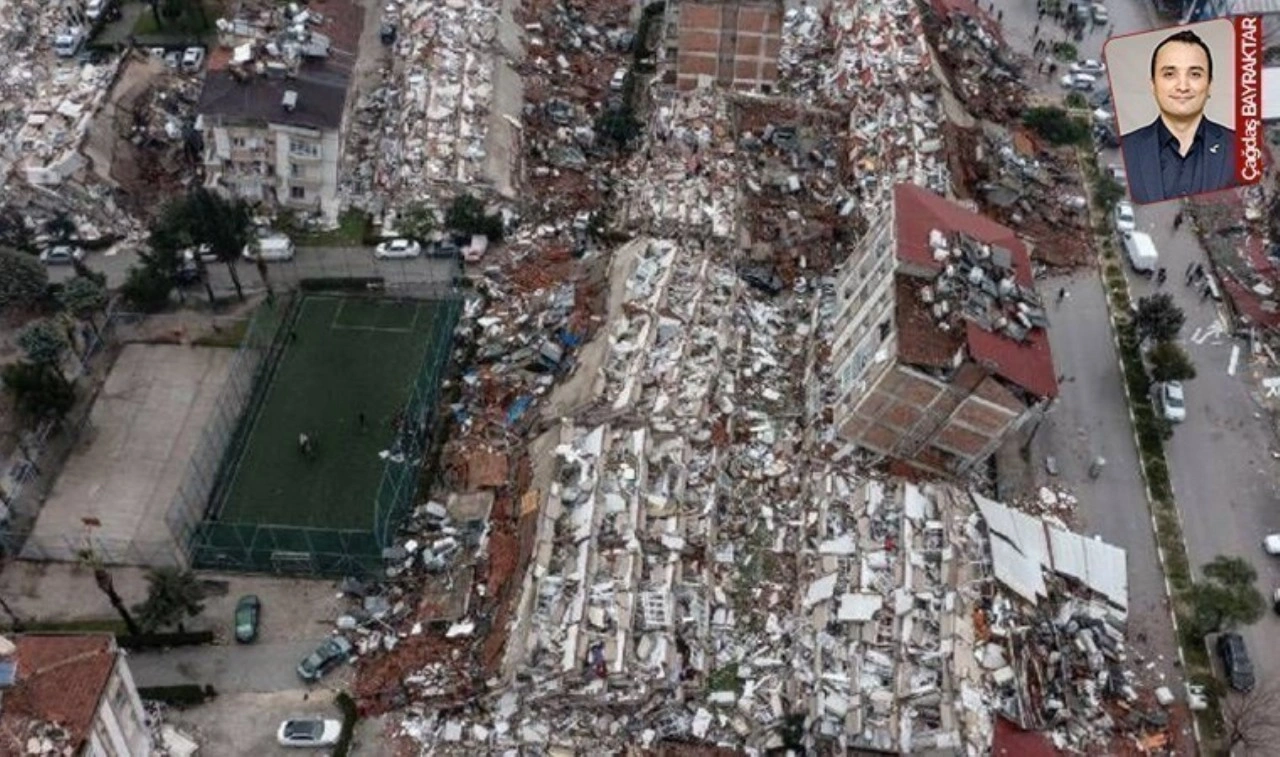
{"x":941,"y":350}
{"x":729,"y":43}
{"x":75,"y":691}
{"x":275,"y":139}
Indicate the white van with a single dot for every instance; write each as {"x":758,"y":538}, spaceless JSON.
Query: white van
{"x":274,"y":247}
{"x":1141,"y":252}
{"x":67,"y":42}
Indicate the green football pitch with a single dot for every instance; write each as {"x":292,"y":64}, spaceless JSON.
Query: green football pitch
{"x":346,"y":357}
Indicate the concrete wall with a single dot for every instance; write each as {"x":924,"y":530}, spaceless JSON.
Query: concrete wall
{"x":119,"y":726}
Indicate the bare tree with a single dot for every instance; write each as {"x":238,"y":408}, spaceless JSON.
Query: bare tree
{"x":1252,"y":721}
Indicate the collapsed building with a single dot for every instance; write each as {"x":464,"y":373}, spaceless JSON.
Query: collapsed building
{"x":942,"y":351}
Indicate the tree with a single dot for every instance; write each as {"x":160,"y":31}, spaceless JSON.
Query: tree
{"x":1169,"y":362}
{"x":1252,"y":720}
{"x":23,"y":279}
{"x":44,"y":344}
{"x":61,"y":228}
{"x":14,"y":231}
{"x":39,"y":392}
{"x":1227,"y":597}
{"x":1055,"y":126}
{"x":1158,"y":318}
{"x":83,"y":298}
{"x":618,"y":125}
{"x":107,"y":585}
{"x":416,"y":222}
{"x":172,"y":596}
{"x":226,"y":226}
{"x":467,"y":215}
{"x":146,"y":289}
{"x":1106,"y":193}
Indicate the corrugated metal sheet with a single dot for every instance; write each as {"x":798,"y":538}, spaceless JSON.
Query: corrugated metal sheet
{"x":1021,"y":574}
{"x":1100,"y":566}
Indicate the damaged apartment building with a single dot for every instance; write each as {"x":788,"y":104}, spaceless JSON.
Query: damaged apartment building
{"x":942,"y":350}
{"x":730,"y":43}
{"x":271,"y":113}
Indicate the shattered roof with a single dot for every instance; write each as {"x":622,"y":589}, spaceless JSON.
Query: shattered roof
{"x":321,"y":88}
{"x":917,"y":211}
{"x":1028,"y":364}
{"x":61,"y":679}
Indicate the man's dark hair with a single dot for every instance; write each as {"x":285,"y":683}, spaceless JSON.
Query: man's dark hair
{"x":1188,"y":38}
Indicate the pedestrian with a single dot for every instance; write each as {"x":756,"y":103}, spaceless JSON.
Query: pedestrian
{"x":1036,"y":31}
{"x":1161,"y":275}
{"x":1040,"y":67}
{"x":1190,"y":275}
{"x":360,"y":420}
{"x":293,"y":336}
{"x":1177,"y":221}
{"x":1000,"y":16}
{"x":1111,"y":29}
{"x":1040,"y":13}
{"x":1053,"y":68}
{"x":1199,"y":274}
{"x":1204,"y":291}
{"x":1062,"y":294}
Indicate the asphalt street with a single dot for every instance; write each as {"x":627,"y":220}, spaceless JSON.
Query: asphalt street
{"x":309,"y":262}
{"x":1222,"y":467}
{"x":231,"y":668}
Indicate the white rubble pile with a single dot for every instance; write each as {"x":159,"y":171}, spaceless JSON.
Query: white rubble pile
{"x":426,"y":125}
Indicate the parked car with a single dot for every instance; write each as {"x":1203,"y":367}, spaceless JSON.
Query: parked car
{"x":1100,"y":14}
{"x":270,"y":247}
{"x":1235,"y":662}
{"x":192,"y":59}
{"x":1106,"y":136}
{"x":1103,"y":115}
{"x":1125,"y":219}
{"x":1091,"y":67}
{"x":397,"y":248}
{"x":1100,"y":98}
{"x":308,"y":731}
{"x":62,"y":254}
{"x":204,"y":252}
{"x":329,"y":654}
{"x":1078,"y":82}
{"x":1275,"y":601}
{"x":619,"y":80}
{"x":1271,"y":543}
{"x":248,"y":609}
{"x":1118,"y":173}
{"x":1172,"y":402}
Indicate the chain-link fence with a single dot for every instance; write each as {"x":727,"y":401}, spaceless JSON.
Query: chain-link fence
{"x":249,"y":546}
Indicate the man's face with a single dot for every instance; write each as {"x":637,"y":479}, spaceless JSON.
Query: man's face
{"x":1181,"y":85}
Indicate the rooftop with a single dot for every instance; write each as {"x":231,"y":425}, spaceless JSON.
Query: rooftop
{"x":978,"y":292}
{"x":321,"y":89}
{"x":60,"y":679}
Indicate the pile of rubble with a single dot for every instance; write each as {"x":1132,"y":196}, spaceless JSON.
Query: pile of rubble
{"x":427,"y":125}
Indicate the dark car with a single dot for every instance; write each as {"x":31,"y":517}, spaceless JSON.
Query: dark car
{"x":1235,"y":662}
{"x":1106,"y":136}
{"x":248,"y":609}
{"x":333,"y":651}
{"x":764,"y":279}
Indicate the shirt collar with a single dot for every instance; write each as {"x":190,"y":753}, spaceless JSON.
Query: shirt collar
{"x":1164,"y":136}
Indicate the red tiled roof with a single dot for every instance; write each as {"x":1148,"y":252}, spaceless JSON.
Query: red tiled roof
{"x":1028,"y":364}
{"x":917,"y":211}
{"x":60,"y":679}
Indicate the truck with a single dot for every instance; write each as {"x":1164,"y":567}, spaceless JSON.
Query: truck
{"x":1141,"y":252}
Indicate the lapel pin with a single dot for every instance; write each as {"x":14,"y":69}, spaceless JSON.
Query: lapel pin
{"x":1213,"y":149}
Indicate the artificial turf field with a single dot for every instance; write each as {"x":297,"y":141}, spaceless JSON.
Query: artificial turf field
{"x":349,"y":356}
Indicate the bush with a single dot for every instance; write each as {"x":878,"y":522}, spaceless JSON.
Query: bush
{"x":1065,"y":51}
{"x":146,"y":289}
{"x":182,"y":695}
{"x":1055,"y":126}
{"x":350,"y":714}
{"x":161,"y":640}
{"x":1076,"y":100}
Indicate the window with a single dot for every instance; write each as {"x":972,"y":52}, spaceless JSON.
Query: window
{"x":297,"y":171}
{"x":885,"y":328}
{"x":237,"y":142}
{"x":297,"y":193}
{"x":304,"y":149}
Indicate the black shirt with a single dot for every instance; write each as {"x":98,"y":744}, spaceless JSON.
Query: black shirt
{"x":1182,"y":174}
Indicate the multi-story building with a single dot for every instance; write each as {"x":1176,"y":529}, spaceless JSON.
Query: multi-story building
{"x":941,"y":350}
{"x":729,"y":43}
{"x":74,"y":692}
{"x":275,"y":136}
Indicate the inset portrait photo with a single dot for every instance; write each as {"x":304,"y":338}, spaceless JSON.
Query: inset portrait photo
{"x":1187,"y":107}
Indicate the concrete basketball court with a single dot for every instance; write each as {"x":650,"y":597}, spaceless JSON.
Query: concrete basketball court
{"x":132,"y":457}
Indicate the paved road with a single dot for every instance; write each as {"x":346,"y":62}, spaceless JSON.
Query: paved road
{"x":231,"y":668}
{"x":1223,"y":472}
{"x":1091,"y":417}
{"x":309,"y":262}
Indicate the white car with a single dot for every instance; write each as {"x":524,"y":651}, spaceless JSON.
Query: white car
{"x":397,"y":249}
{"x":308,"y":731}
{"x":1079,"y":82}
{"x":1103,"y":116}
{"x":1117,"y":172}
{"x":619,"y":80}
{"x":1091,"y":67}
{"x":1173,"y":402}
{"x":1271,"y":543}
{"x":193,"y":59}
{"x":62,"y":254}
{"x":1125,"y":219}
{"x":270,"y":247}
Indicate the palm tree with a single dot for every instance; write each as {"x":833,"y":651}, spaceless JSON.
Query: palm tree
{"x":107,"y":584}
{"x":172,"y":596}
